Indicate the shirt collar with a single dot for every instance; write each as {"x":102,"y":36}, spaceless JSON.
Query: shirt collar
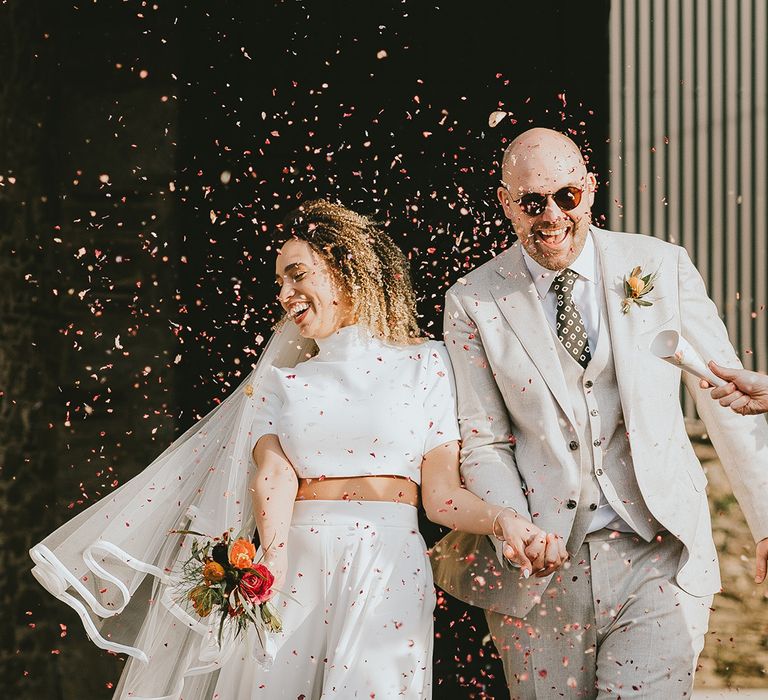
{"x":585,"y":266}
{"x":345,"y":343}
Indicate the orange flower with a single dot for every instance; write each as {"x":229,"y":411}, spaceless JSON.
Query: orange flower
{"x":213,"y":572}
{"x":636,"y":285}
{"x":241,"y":554}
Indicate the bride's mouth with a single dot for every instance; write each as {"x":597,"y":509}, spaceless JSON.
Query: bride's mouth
{"x":553,"y":239}
{"x":298,"y":312}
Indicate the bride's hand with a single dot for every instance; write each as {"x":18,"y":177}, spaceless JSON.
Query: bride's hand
{"x":519,"y":533}
{"x":277,"y":563}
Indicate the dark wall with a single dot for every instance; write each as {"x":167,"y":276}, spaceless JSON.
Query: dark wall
{"x":88,"y":253}
{"x":211,"y":121}
{"x":382,"y":105}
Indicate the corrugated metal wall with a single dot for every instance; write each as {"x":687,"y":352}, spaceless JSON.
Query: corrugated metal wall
{"x":688,"y":145}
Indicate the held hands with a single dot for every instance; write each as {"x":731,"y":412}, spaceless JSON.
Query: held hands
{"x":547,"y":554}
{"x":528,"y":546}
{"x":746,"y":392}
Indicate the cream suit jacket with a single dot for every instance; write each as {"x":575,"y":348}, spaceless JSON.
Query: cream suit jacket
{"x":517,"y":422}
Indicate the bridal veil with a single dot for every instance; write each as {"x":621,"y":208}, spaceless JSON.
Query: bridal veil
{"x":116,"y":562}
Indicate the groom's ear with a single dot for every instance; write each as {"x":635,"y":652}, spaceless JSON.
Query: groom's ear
{"x":506,"y":201}
{"x":591,"y":187}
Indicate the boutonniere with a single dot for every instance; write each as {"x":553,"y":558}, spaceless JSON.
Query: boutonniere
{"x":636,"y":286}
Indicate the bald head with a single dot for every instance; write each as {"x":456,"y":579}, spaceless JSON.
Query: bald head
{"x":547,"y":194}
{"x":540,"y":151}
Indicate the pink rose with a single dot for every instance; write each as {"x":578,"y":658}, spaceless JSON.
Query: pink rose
{"x":257,"y":587}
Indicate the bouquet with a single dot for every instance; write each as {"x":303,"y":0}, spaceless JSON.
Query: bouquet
{"x":222,"y":578}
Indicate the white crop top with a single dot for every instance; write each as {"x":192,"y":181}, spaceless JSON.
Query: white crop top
{"x":360,"y":407}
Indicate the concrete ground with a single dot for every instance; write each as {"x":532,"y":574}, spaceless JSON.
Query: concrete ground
{"x":731,"y":694}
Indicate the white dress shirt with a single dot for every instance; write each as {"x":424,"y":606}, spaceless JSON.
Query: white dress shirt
{"x":589,"y":297}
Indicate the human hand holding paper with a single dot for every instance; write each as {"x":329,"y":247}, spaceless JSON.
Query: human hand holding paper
{"x":743,"y":391}
{"x":671,"y":347}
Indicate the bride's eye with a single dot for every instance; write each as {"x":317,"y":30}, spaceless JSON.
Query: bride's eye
{"x":299,"y":276}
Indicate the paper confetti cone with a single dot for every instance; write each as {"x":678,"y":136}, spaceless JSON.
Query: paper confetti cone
{"x":671,"y":347}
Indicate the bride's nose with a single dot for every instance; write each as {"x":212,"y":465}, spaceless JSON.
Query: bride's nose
{"x":285,"y":293}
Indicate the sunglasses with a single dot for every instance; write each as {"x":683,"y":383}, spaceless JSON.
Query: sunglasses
{"x":534,"y":203}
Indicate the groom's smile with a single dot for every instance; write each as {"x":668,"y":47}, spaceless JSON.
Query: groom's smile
{"x":554,"y":239}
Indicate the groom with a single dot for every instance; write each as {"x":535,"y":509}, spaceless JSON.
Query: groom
{"x":567,"y":418}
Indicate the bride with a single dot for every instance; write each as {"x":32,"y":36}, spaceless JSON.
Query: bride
{"x":349,"y":420}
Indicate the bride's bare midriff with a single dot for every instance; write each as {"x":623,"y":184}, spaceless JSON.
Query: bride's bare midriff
{"x":396,"y":489}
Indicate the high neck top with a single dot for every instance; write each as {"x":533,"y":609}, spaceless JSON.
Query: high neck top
{"x":346,"y":343}
{"x":360,"y":407}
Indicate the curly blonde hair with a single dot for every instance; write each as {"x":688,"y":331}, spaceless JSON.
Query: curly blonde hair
{"x":365,"y":263}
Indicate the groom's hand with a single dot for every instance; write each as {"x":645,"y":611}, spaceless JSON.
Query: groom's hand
{"x":761,"y":560}
{"x":535,"y":549}
{"x":547,"y":554}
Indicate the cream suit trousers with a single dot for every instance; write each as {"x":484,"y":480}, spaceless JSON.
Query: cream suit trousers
{"x":600,"y":633}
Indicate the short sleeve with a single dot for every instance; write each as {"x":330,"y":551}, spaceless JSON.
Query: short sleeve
{"x":268,"y":401}
{"x":440,"y":399}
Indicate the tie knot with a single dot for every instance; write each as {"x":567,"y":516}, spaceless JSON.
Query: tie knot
{"x":565,"y":280}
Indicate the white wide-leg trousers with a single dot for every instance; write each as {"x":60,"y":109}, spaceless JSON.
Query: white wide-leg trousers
{"x":361,"y":623}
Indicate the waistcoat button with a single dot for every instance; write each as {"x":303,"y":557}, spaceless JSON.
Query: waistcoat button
{"x":599,"y":472}
{"x":597,"y":443}
{"x":588,"y":384}
{"x":593,"y":506}
{"x":571,"y":504}
{"x":573,"y":445}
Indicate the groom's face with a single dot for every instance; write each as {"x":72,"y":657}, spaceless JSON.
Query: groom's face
{"x":547,"y":193}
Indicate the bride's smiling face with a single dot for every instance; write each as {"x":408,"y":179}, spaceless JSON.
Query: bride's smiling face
{"x":309,"y":293}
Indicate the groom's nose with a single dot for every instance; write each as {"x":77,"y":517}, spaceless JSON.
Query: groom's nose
{"x":551,"y":211}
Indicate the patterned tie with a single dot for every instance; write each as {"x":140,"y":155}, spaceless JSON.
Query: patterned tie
{"x":570,"y":326}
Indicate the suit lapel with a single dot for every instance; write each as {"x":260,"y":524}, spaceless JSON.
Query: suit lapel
{"x":624,"y":328}
{"x":519,"y":303}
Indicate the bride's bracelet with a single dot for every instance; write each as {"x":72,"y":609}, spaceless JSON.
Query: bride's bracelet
{"x":496,"y":520}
